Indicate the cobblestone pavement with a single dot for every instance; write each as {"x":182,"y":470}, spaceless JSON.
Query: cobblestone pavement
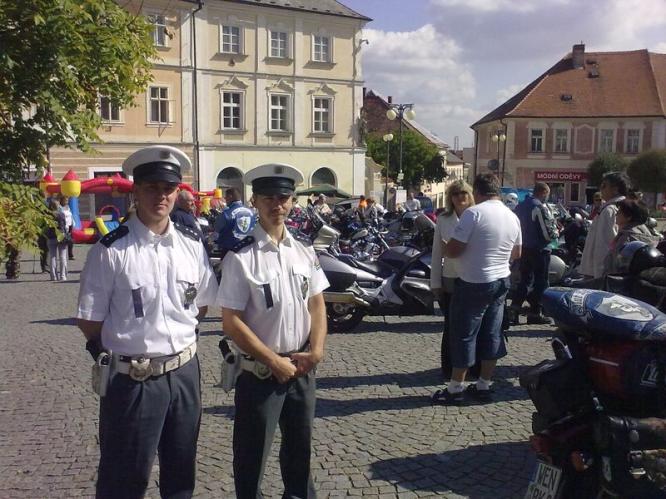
{"x":376,"y":433}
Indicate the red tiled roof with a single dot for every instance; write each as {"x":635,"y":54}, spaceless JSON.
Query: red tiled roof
{"x":629,"y":84}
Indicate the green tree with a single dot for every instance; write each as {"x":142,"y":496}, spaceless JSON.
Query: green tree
{"x":57,"y":58}
{"x":648,"y":172}
{"x":420,"y":158}
{"x":23,"y":217}
{"x":605,"y":163}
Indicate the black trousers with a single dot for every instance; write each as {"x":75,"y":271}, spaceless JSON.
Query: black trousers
{"x":260,"y":406}
{"x":138,"y":419}
{"x":533,"y":273}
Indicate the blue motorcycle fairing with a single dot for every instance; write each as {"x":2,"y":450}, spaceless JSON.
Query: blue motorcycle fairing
{"x":604,"y":313}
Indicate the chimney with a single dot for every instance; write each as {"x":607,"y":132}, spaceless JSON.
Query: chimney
{"x":578,"y":56}
{"x":390,"y":99}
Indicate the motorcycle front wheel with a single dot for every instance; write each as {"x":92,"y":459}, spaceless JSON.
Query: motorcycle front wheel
{"x":343,"y":317}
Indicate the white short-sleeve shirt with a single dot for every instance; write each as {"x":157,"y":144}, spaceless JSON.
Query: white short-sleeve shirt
{"x":137,"y":287}
{"x":271,"y":285}
{"x":491,"y":230}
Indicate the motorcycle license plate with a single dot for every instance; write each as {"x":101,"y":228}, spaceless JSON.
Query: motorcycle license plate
{"x":545,"y":482}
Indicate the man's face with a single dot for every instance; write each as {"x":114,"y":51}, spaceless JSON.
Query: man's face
{"x":273,"y":209}
{"x":543,"y":196}
{"x":186,"y":202}
{"x":64,"y":200}
{"x":608,"y":190}
{"x":155,"y":200}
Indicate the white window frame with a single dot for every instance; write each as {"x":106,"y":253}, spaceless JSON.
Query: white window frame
{"x":240,"y":106}
{"x":315,"y":57}
{"x":602,"y":149}
{"x":168,"y":100}
{"x":231,"y":42}
{"x":328,"y":111}
{"x":101,"y":105}
{"x":286,"y":108}
{"x":283,"y":52}
{"x":556,"y":143}
{"x":154,"y":19}
{"x":541,"y":142}
{"x":639,"y":140}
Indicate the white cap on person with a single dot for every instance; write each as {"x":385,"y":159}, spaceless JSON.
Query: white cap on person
{"x":160,"y":163}
{"x":273,"y":178}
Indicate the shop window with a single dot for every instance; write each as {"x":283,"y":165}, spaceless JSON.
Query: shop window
{"x":574,"y":193}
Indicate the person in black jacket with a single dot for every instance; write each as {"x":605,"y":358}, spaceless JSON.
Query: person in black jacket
{"x":539,"y":228}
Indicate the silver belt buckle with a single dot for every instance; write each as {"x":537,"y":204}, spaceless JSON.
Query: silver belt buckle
{"x":261,"y":371}
{"x":140,"y":369}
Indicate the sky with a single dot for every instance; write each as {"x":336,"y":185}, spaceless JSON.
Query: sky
{"x":457,"y":60}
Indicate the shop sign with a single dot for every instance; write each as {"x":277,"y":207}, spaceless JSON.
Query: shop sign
{"x":555,"y":176}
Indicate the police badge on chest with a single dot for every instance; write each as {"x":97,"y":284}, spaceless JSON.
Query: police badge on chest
{"x":189,"y":295}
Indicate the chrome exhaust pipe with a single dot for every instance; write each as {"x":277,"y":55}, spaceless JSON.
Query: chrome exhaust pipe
{"x":347,"y":298}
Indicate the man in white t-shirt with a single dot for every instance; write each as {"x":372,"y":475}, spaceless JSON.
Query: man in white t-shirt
{"x":411,"y":204}
{"x":486,"y":239}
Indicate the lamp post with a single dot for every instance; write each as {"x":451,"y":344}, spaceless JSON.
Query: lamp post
{"x":399,"y":111}
{"x":499,"y":136}
{"x":388,"y":137}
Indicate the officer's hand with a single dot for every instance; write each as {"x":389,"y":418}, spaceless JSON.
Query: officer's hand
{"x":283,"y":369}
{"x":305,"y":362}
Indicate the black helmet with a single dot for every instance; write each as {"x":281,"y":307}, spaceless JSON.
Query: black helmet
{"x":637,"y":256}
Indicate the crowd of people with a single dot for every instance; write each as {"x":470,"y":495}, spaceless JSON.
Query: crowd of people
{"x":146,"y":285}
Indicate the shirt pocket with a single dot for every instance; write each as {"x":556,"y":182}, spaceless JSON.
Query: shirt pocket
{"x":301,"y":276}
{"x":140,"y":291}
{"x":266,"y":291}
{"x":187,"y":285}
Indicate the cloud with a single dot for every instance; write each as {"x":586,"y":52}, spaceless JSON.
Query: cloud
{"x":494,"y":6}
{"x":659,"y":48}
{"x":506,"y":93}
{"x":422,"y":67}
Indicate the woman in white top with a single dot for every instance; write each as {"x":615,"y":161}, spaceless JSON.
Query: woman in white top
{"x":458,"y":197}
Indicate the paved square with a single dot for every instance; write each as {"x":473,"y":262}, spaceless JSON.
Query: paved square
{"x":376,"y":433}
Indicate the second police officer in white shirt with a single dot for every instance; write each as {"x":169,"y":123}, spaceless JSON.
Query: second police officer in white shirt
{"x":143,"y":289}
{"x":273,"y":309}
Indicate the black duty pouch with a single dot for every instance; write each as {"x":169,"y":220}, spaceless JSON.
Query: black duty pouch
{"x":558,"y":388}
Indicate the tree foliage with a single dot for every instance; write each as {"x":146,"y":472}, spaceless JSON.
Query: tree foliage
{"x":23,"y":217}
{"x":648,"y":171}
{"x":605,"y":163}
{"x":420,"y":158}
{"x":57,"y":58}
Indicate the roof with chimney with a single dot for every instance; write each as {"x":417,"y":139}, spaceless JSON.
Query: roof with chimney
{"x":593,"y":84}
{"x":414,"y":125}
{"x":326,"y":7}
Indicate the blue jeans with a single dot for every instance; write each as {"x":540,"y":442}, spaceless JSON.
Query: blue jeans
{"x":476,"y":312}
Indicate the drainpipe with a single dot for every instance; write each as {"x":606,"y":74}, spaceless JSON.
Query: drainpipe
{"x":195,"y":127}
{"x":476,"y":156}
{"x":506,"y":140}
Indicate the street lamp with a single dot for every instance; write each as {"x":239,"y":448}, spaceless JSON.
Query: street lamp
{"x":399,"y":111}
{"x":499,"y":136}
{"x":388,"y":137}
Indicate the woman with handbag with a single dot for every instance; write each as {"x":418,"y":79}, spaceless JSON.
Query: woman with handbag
{"x":57,"y":240}
{"x":458,"y":197}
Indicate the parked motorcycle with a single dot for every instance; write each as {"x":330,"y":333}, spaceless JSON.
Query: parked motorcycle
{"x":599,"y":427}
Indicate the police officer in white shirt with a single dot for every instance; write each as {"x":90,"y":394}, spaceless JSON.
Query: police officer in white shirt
{"x":144,"y":288}
{"x":273,"y":309}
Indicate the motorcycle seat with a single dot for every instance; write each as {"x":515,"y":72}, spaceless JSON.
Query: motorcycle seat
{"x":600,"y":313}
{"x":374,"y":267}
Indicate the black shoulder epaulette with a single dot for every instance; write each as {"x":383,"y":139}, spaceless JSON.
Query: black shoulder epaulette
{"x":246,"y":241}
{"x":114,"y":235}
{"x":188,"y":231}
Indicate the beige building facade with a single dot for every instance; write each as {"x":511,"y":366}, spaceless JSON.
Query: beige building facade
{"x":239,"y":84}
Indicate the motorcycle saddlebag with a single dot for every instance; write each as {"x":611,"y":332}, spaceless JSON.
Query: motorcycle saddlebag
{"x":632,"y":452}
{"x":557,"y":388}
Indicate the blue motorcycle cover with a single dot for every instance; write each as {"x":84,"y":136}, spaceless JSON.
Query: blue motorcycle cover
{"x":604,"y":313}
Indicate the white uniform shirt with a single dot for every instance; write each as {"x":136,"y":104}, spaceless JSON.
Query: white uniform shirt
{"x":271,"y":285}
{"x":491,"y":230}
{"x":137,"y":288}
